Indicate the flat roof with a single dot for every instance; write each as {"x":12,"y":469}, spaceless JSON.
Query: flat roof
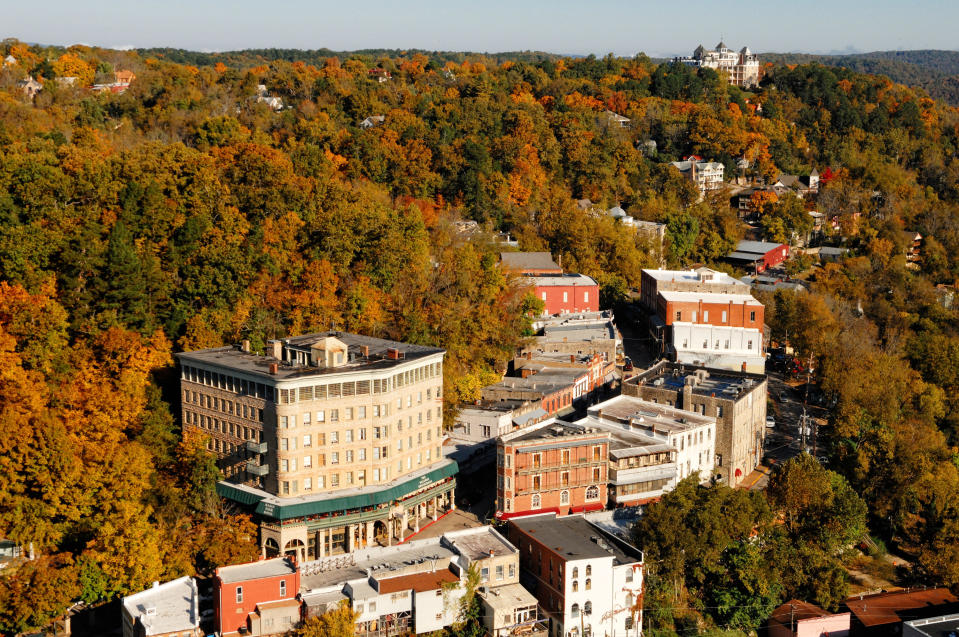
{"x":625,"y":418}
{"x":508,"y":597}
{"x":552,"y":280}
{"x":379,"y":560}
{"x":547,"y":380}
{"x":941,"y":626}
{"x":751,"y":257}
{"x":721,"y":382}
{"x":235,"y":359}
{"x":274,"y":567}
{"x":529,"y":261}
{"x":574,"y":538}
{"x":175,"y":605}
{"x":709,"y":297}
{"x":476,"y":544}
{"x":419,"y":582}
{"x":888,"y":608}
{"x":555,"y":431}
{"x":691,"y":276}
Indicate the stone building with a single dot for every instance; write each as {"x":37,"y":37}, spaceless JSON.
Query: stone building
{"x":737,"y":400}
{"x":333,"y":440}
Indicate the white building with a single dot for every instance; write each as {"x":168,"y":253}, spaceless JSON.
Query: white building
{"x":652,"y":447}
{"x":707,"y":175}
{"x":741,"y":69}
{"x":166,"y":610}
{"x":416,"y":587}
{"x":588,"y":581}
{"x":719,"y":346}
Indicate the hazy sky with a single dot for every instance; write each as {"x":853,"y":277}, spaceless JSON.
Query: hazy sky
{"x":561,"y":26}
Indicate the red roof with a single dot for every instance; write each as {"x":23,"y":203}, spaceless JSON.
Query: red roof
{"x":884,"y":608}
{"x":419,"y":582}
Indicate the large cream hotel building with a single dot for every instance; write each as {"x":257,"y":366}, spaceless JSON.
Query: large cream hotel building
{"x":333,"y":440}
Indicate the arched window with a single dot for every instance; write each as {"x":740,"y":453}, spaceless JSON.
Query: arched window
{"x":588,"y":608}
{"x":536,"y":501}
{"x":589,"y":584}
{"x":575,"y":572}
{"x":564,"y":497}
{"x":575,"y":586}
{"x":589,"y":570}
{"x":592,"y":493}
{"x":575,"y":610}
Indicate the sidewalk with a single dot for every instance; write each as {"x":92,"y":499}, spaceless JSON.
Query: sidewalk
{"x":756,"y":480}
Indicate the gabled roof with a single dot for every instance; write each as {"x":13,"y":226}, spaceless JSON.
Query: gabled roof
{"x":419,"y":582}
{"x":894,"y":607}
{"x":262,"y":569}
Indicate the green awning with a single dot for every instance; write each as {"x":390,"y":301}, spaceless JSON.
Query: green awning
{"x":388,"y":495}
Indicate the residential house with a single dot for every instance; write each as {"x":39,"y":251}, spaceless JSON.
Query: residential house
{"x":373,"y":121}
{"x":801,"y":185}
{"x":9,"y":61}
{"x":336,"y":435}
{"x":380,"y":75}
{"x":588,"y":581}
{"x":257,"y":596}
{"x":559,"y":467}
{"x":29,"y":86}
{"x":10,"y":551}
{"x":171,"y":609}
{"x":615,"y":119}
{"x":796,"y":618}
{"x":758,"y":256}
{"x":706,"y":175}
{"x":913,"y":241}
{"x":123,"y":77}
{"x":884,"y":614}
{"x":737,"y":400}
{"x":652,"y":447}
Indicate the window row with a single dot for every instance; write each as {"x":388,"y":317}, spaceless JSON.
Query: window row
{"x":226,"y":382}
{"x":350,"y":436}
{"x":228,"y":407}
{"x":209,"y":423}
{"x":364,"y":387}
{"x":307,"y":418}
{"x":357,"y":478}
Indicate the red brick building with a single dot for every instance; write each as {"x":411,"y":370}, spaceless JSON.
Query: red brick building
{"x":757,"y":256}
{"x":556,"y":468}
{"x":567,"y":293}
{"x":728,"y":310}
{"x":241,"y":592}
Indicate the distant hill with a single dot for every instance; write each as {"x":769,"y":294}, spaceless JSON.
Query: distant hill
{"x":254,"y":57}
{"x":937,"y":72}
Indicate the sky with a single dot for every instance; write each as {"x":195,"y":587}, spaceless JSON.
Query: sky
{"x":622,"y":27}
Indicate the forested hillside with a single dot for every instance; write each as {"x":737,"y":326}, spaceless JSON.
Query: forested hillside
{"x":185,"y":213}
{"x":936,"y":72}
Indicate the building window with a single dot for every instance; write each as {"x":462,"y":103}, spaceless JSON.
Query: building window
{"x":566,"y":457}
{"x":564,"y":497}
{"x":536,"y":501}
{"x":724,"y":316}
{"x":512,"y":571}
{"x":679,"y":315}
{"x":499,"y":572}
{"x":596,"y":476}
{"x":537,"y":483}
{"x":282,"y":588}
{"x":586,"y":296}
{"x":589,"y":570}
{"x":575,"y":610}
{"x":589,"y":584}
{"x":588,"y":607}
{"x":597,"y":453}
{"x":484,"y":574}
{"x":575,"y":586}
{"x":565,"y":297}
{"x":705,"y":316}
{"x":592,"y":493}
{"x":537,"y":460}
{"x":564,"y":476}
{"x":752,"y":316}
{"x":239,"y":594}
{"x":750,"y":345}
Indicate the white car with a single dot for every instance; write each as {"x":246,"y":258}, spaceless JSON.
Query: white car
{"x":770,"y":422}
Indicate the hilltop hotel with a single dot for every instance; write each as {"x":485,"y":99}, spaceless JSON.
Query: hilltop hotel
{"x":333,"y":440}
{"x":742,"y":69}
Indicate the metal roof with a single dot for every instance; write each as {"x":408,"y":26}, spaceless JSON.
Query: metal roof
{"x":279,"y":508}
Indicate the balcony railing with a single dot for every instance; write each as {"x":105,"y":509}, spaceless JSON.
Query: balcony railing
{"x":257,"y":469}
{"x":256,"y":447}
